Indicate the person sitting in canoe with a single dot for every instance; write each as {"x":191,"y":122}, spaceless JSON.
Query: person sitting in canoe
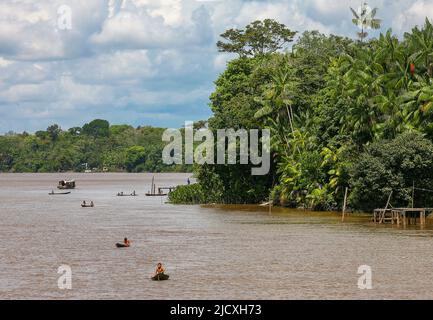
{"x":85,"y":205}
{"x":160,"y":273}
{"x":125,"y":244}
{"x":159,"y":269}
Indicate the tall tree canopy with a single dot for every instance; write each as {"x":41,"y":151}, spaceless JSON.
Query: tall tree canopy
{"x":258,"y":38}
{"x":97,"y":128}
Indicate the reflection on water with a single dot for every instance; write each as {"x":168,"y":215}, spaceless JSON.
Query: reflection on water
{"x":211,"y":252}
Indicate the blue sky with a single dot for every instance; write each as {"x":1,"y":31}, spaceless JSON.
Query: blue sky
{"x":142,"y":62}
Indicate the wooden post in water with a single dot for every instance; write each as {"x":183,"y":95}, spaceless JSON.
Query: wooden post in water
{"x":270,"y":205}
{"x":413,"y":191}
{"x":383,"y":213}
{"x":344,"y":204}
{"x":151,"y":187}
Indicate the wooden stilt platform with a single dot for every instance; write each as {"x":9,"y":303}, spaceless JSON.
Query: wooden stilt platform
{"x":169,"y":189}
{"x":404,"y":216}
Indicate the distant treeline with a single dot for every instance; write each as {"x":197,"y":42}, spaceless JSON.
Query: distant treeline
{"x":98,"y":144}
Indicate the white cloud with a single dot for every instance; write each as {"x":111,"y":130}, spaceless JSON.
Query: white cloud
{"x":134,"y":31}
{"x":138,"y":26}
{"x":29,"y":29}
{"x":414,"y":15}
{"x":169,"y":10}
{"x":115,"y":67}
{"x":221,"y":60}
{"x":4,"y":62}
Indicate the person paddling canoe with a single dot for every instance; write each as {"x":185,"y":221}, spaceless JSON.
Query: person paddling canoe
{"x":159,"y":269}
{"x":159,"y":273}
{"x":126,"y":242}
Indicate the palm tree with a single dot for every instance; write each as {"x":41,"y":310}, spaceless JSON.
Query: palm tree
{"x":277,"y":103}
{"x":365,"y":19}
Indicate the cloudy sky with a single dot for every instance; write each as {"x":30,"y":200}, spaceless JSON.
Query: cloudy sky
{"x":142,"y":62}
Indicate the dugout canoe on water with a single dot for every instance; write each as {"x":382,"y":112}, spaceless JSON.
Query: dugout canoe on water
{"x":160,"y":277}
{"x":52,"y":193}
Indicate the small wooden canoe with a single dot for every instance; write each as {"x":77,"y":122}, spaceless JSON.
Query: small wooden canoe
{"x":87,"y":206}
{"x":160,"y":277}
{"x":58,"y":193}
{"x":121,"y":245}
{"x":156,"y":194}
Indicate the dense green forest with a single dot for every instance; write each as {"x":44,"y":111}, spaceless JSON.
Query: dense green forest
{"x":97,"y":145}
{"x":343,"y":113}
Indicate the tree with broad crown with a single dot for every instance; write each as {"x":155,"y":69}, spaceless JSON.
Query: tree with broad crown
{"x":258,"y":38}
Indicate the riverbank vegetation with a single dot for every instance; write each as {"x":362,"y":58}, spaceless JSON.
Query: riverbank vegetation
{"x":343,"y":113}
{"x":97,"y":145}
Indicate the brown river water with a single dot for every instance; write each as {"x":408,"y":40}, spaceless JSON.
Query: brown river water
{"x":225,"y":252}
